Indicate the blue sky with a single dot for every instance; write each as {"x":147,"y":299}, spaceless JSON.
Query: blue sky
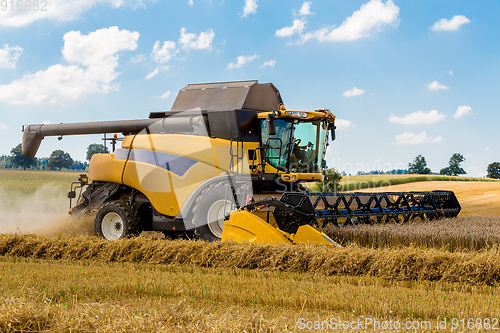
{"x":403,"y":77}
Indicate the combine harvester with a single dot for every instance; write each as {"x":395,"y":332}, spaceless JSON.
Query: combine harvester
{"x":200,"y":167}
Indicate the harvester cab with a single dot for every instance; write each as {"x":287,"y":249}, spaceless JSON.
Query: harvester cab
{"x":293,"y":147}
{"x":202,"y":167}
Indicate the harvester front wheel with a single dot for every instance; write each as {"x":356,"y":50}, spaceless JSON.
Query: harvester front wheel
{"x":115,"y":220}
{"x":211,"y":207}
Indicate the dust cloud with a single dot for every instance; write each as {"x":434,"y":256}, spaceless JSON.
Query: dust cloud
{"x":44,"y":212}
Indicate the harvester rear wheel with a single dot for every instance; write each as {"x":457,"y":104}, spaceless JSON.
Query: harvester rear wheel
{"x":115,"y":220}
{"x":211,"y":206}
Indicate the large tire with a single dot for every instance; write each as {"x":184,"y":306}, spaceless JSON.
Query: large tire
{"x":213,"y":203}
{"x":115,"y":220}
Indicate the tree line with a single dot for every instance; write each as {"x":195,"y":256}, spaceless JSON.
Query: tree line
{"x":332,"y":178}
{"x":419,"y":166}
{"x":58,"y":159}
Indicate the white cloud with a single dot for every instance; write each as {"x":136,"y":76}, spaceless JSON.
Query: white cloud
{"x":487,"y":148}
{"x":449,"y":25}
{"x":462,"y":111}
{"x":58,"y":10}
{"x":98,"y":46}
{"x":156,"y":71}
{"x":297,"y":27}
{"x":370,"y":18}
{"x":409,"y":138}
{"x":165,"y":95}
{"x":153,"y":73}
{"x":164,"y":53}
{"x":343,"y":124}
{"x":3,"y":126}
{"x":9,"y":56}
{"x":419,"y":117}
{"x":169,"y":50}
{"x":93,"y":58}
{"x":250,"y":7}
{"x":435,"y":86}
{"x":138,"y":58}
{"x":201,"y":42}
{"x":306,"y":9}
{"x":241,"y":61}
{"x":353,"y":92}
{"x":450,"y":72}
{"x":269,"y":63}
{"x":190,"y":2}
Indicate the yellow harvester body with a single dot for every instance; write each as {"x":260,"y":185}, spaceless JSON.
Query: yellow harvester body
{"x":196,"y":166}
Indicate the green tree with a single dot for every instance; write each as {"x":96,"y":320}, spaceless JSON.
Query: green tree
{"x":95,"y":148}
{"x":419,"y":166}
{"x":493,"y":170}
{"x":454,"y":168}
{"x":19,"y":160}
{"x":331,"y":181}
{"x":59,"y":159}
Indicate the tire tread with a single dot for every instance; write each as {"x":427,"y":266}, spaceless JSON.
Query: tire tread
{"x":133,"y":229}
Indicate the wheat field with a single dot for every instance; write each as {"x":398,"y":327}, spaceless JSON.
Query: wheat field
{"x":56,"y":277}
{"x":464,"y":233}
{"x":86,"y":284}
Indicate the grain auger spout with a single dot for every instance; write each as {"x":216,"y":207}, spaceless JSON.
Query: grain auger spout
{"x":34,"y":134}
{"x":198,"y":168}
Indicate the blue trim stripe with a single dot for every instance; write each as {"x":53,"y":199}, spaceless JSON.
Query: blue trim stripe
{"x":121,"y":153}
{"x":176,"y":164}
{"x":330,"y":240}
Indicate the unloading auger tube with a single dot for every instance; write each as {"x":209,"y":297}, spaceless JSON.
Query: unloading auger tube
{"x":34,"y":134}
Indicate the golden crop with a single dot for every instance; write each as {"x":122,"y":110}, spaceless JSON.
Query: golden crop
{"x":393,"y":263}
{"x":453,"y":234}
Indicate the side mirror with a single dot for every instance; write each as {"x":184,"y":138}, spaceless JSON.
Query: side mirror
{"x":332,"y":131}
{"x":83,"y":179}
{"x":71,"y":194}
{"x":271,"y":126}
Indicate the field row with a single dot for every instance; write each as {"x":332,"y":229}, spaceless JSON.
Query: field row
{"x":393,"y":263}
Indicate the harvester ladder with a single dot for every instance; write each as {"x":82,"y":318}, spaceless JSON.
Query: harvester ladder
{"x":236,"y":152}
